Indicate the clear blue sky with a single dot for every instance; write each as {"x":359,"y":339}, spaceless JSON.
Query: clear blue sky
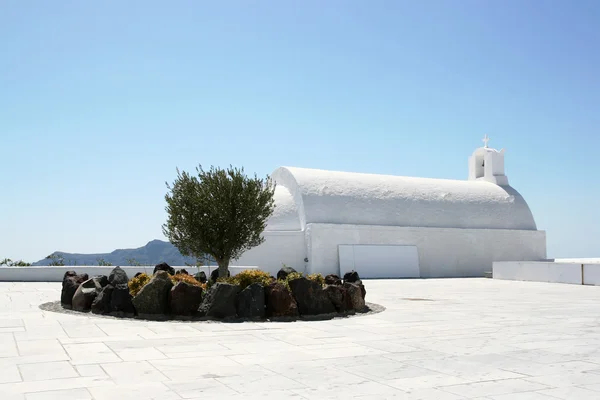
{"x":101,"y":101}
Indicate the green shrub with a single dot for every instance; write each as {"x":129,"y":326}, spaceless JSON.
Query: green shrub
{"x":136,"y":284}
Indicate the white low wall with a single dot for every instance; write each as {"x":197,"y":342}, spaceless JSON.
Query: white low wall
{"x":548,"y":271}
{"x":591,"y":274}
{"x":578,"y":260}
{"x":538,"y":272}
{"x":55,"y":274}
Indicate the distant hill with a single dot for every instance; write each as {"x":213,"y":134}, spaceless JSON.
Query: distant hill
{"x":155,"y":252}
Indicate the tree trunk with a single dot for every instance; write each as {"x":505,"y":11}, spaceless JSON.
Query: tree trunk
{"x":223,"y":268}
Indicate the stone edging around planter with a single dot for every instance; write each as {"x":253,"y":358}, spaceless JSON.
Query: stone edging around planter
{"x":370,"y":309}
{"x":175,"y":293}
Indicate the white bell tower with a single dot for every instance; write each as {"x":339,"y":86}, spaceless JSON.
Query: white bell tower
{"x":487,"y":164}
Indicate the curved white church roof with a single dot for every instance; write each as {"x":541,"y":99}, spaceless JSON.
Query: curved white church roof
{"x":285,"y":216}
{"x":318,"y":196}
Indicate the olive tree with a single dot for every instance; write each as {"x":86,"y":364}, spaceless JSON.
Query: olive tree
{"x":219,"y":212}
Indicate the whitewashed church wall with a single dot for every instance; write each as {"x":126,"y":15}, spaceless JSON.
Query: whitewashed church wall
{"x":442,"y":252}
{"x":279,"y":247}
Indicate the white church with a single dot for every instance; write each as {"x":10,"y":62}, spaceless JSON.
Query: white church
{"x":386,"y":226}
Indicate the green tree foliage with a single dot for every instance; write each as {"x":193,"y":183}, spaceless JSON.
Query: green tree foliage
{"x":57,"y":260}
{"x":103,"y":263}
{"x":220,"y":212}
{"x":10,"y":263}
{"x":201,"y":261}
{"x":133,"y":262}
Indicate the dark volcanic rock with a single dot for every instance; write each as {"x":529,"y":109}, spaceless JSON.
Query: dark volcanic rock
{"x":355,"y":298}
{"x":69,"y":274}
{"x":284,"y":272}
{"x":137,"y":274}
{"x":164,"y":267}
{"x":280,"y":302}
{"x":338,"y":296}
{"x":363,"y":291}
{"x":69,"y":286}
{"x":351,"y":277}
{"x":120,"y":298}
{"x":120,"y":301}
{"x":182,"y":271}
{"x":215,"y":275}
{"x":201,"y":277}
{"x":220,"y":301}
{"x":85,"y":294}
{"x":251,"y":302}
{"x":118,"y":277}
{"x":153,"y":298}
{"x":310,"y":297}
{"x":332,"y":279}
{"x":102,"y":280}
{"x":101,"y":304}
{"x":185,"y":299}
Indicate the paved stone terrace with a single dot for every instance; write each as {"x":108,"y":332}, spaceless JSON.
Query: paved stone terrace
{"x":438,"y":339}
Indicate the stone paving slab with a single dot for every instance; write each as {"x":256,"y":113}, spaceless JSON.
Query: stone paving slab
{"x":438,"y":339}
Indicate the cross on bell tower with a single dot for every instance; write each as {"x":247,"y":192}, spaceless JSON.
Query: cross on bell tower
{"x":486,"y":139}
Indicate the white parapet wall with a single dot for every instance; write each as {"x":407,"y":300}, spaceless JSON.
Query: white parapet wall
{"x":578,"y":260}
{"x":591,"y":274}
{"x":570,"y":272}
{"x":55,"y":274}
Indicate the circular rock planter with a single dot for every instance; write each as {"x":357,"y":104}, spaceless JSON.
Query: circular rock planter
{"x":249,"y":296}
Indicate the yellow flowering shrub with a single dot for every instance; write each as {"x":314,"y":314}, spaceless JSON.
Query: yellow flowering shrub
{"x":286,"y":282}
{"x":320,"y":279}
{"x":295,"y":275}
{"x":250,"y":276}
{"x":227,"y":279}
{"x":137,"y":283}
{"x":247,"y":278}
{"x":187,"y":279}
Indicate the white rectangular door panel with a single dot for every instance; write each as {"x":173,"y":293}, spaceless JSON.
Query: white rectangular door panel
{"x":379,"y":261}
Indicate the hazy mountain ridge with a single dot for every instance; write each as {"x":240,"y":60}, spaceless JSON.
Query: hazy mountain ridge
{"x":154,"y":252}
